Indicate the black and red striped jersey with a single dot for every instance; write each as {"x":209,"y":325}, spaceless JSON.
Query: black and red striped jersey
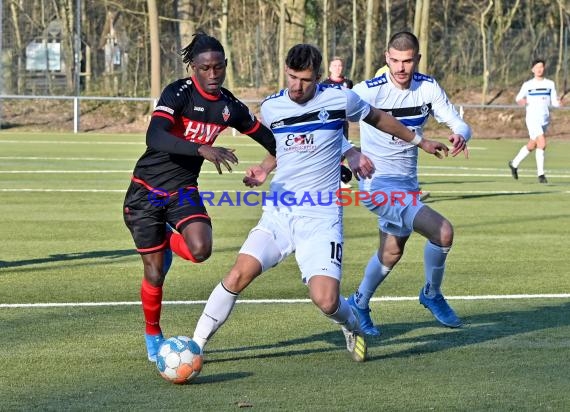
{"x":197,"y":117}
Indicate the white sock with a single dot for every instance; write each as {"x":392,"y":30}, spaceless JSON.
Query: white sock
{"x":217,"y":310}
{"x":539,"y":161}
{"x":374,"y":275}
{"x":344,"y":315}
{"x":434,"y":266}
{"x":520,"y":156}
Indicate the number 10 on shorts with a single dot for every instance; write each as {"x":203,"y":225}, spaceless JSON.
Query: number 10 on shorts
{"x":336,"y":251}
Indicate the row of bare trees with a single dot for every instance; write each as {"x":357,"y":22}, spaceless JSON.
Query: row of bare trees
{"x":130,"y":47}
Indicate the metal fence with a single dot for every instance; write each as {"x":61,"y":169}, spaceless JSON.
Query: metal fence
{"x":111,"y":69}
{"x":94,"y":113}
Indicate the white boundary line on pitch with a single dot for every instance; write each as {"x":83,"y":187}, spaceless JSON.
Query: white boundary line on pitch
{"x":263,"y":301}
{"x":141,"y":143}
{"x":43,"y":172}
{"x":94,"y":159}
{"x":102,"y":159}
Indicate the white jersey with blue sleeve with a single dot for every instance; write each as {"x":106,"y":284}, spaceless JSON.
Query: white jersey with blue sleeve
{"x":392,"y":156}
{"x":309,"y":145}
{"x":540,"y":95}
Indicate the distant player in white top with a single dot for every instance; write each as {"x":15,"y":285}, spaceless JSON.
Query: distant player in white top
{"x":301,"y":214}
{"x":411,"y":97}
{"x":538,"y":95}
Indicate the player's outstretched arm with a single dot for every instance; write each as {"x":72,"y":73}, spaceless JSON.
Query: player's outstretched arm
{"x":433,"y":147}
{"x":218,"y":156}
{"x":257,"y":175}
{"x":389,"y":124}
{"x":361,"y":165}
{"x":459,"y":145}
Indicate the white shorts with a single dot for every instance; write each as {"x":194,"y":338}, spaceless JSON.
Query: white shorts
{"x":395,"y":203}
{"x":317,"y":243}
{"x":536,"y":127}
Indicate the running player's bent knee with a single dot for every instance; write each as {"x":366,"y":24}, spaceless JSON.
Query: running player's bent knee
{"x":237,"y":280}
{"x":200,"y":254}
{"x":446,"y":234}
{"x":197,"y":252}
{"x":327,"y":304}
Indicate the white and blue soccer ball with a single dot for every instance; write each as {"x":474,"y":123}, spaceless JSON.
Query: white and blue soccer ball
{"x":179,"y":359}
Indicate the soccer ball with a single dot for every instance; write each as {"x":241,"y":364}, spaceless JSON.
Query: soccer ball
{"x":179,"y":359}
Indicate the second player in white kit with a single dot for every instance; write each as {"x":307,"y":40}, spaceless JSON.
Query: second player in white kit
{"x":411,"y":97}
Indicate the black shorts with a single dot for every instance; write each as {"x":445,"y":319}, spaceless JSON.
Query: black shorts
{"x":146,"y":213}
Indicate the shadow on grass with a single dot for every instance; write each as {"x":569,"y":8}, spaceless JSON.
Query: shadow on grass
{"x":451,"y":182}
{"x":477,"y":329}
{"x":220,"y":377}
{"x":79,"y":257}
{"x":66,"y":257}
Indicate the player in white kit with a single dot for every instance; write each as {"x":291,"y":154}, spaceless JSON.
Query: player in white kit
{"x":538,"y":95}
{"x":301,"y":213}
{"x":411,"y":97}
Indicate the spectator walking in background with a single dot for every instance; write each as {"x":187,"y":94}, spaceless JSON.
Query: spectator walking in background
{"x":336,"y":77}
{"x":336,"y":74}
{"x":538,"y":95}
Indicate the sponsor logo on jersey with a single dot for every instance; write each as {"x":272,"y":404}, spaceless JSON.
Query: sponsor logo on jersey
{"x":204,"y":133}
{"x":198,"y":108}
{"x":300,"y":143}
{"x":397,"y":141}
{"x":226,"y":114}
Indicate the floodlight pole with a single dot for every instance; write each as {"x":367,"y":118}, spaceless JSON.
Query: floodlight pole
{"x":77,"y":61}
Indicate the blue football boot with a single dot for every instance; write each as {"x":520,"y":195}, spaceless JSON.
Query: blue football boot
{"x":440,"y":310}
{"x":366,"y":325}
{"x":153,"y":342}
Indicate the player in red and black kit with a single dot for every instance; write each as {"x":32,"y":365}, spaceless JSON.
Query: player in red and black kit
{"x":163,"y":193}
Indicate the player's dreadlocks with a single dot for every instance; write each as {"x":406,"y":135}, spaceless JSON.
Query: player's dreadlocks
{"x":304,"y":56}
{"x":200,"y":43}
